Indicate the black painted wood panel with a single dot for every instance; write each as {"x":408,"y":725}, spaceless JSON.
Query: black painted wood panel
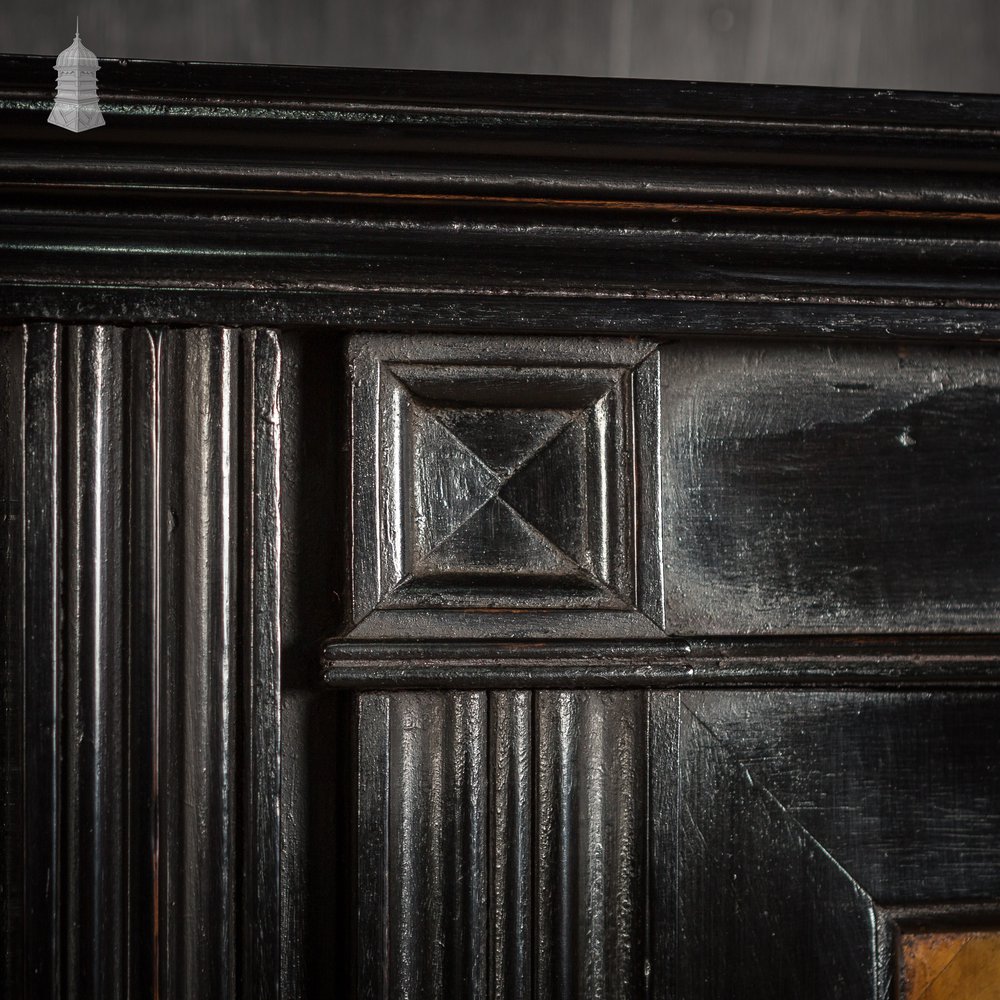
{"x":590,"y":784}
{"x":11,"y":681}
{"x":583,"y":490}
{"x":504,"y":490}
{"x":583,"y":584}
{"x":808,"y":821}
{"x":41,"y":658}
{"x":828,"y":489}
{"x":423,"y":841}
{"x":147,"y":836}
{"x":770,"y":849}
{"x":94,"y":758}
{"x":501,"y":843}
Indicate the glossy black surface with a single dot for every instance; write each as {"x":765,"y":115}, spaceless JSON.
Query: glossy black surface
{"x":504,"y":488}
{"x":583,"y":584}
{"x":394,"y":200}
{"x":829,"y":489}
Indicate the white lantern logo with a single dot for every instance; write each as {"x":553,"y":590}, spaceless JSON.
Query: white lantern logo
{"x":76,"y":106}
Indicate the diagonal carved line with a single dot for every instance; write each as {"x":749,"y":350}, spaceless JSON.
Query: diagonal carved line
{"x":601,"y":586}
{"x":944,"y":968}
{"x":496,"y":494}
{"x":419,"y":404}
{"x":418,"y":400}
{"x":651,"y":348}
{"x":535,"y":530}
{"x":578,"y":418}
{"x":783,"y":809}
{"x":545,"y":443}
{"x":468,"y":451}
{"x":433,"y":549}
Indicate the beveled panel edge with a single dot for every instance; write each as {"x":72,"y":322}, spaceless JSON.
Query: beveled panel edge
{"x":378,"y":530}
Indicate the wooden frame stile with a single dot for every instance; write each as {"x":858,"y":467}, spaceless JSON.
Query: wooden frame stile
{"x":116,"y":896}
{"x":662,"y":423}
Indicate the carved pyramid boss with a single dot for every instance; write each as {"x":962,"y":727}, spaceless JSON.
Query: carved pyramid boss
{"x":513,"y":482}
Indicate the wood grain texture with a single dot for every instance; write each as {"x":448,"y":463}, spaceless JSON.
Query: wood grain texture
{"x":316,"y":809}
{"x":12,"y":342}
{"x":928,"y":662}
{"x":126,"y":458}
{"x":218,"y":613}
{"x":143,"y":615}
{"x":501,"y":843}
{"x":260,"y":846}
{"x":950,"y":965}
{"x":806,"y":817}
{"x":197,"y":751}
{"x":692,"y":844}
{"x":512,"y":844}
{"x":749,"y":875}
{"x":94,"y":798}
{"x":42,"y":658}
{"x":590,"y":843}
{"x":424,"y":831}
{"x":805,"y":488}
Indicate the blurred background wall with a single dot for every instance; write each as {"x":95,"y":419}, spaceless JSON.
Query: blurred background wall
{"x":923,"y":44}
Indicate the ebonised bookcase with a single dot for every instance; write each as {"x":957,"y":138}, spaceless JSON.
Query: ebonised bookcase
{"x":481,"y":536}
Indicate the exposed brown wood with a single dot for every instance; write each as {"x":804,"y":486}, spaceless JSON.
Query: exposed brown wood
{"x":954,"y":965}
{"x":416,"y":197}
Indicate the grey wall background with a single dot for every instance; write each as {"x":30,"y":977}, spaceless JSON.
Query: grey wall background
{"x":923,"y":44}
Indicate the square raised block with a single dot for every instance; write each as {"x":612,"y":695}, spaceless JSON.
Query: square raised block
{"x":505,"y":487}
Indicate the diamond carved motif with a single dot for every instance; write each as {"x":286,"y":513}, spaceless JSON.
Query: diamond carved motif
{"x":496,"y":485}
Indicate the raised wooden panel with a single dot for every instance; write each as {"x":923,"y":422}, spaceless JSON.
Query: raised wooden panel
{"x":690,"y":845}
{"x":795,"y":832}
{"x":505,"y":488}
{"x":512,"y":489}
{"x":814,"y":488}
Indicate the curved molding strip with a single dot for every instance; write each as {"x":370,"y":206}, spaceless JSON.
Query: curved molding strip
{"x":243,"y":195}
{"x":933,"y":661}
